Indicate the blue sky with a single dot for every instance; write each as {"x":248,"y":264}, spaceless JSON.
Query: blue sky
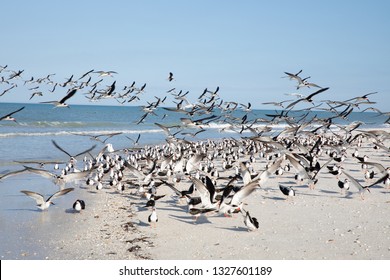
{"x":241,"y":46}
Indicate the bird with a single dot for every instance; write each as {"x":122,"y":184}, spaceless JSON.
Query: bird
{"x":97,"y":137}
{"x":62,"y":103}
{"x":307,"y":98}
{"x":288,"y":191}
{"x":9,"y":117}
{"x":79,"y":205}
{"x":43,"y":204}
{"x":170,"y":78}
{"x":105,"y":73}
{"x":72,"y":157}
{"x":251,"y":222}
{"x":343,"y":185}
{"x":236,"y":201}
{"x":369,"y":174}
{"x":153,"y":218}
{"x":360,"y":188}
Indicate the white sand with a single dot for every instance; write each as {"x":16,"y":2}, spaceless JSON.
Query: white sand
{"x":315,"y":224}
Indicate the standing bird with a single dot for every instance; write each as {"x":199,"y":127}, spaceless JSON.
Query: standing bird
{"x":288,"y":191}
{"x":41,"y":203}
{"x":153,"y":219}
{"x":344,"y":185}
{"x":357,"y":185}
{"x":79,"y":205}
{"x":251,"y":222}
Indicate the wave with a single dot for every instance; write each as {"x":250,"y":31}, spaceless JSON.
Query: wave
{"x":62,"y":124}
{"x":76,"y":133}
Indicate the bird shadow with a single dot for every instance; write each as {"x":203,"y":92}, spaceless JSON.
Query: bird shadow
{"x":20,"y":209}
{"x":274,"y":197}
{"x":181,"y":210}
{"x":71,"y":211}
{"x":329,"y":192}
{"x":142,"y":224}
{"x":236,"y":229}
{"x":190,"y":220}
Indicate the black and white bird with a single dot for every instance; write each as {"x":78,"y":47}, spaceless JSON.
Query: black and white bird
{"x":360,"y":188}
{"x":9,"y":117}
{"x":43,"y":204}
{"x":62,"y":103}
{"x":288,"y":191}
{"x":79,"y":205}
{"x":170,"y":78}
{"x":344,"y":185}
{"x":251,"y":222}
{"x":153,"y":219}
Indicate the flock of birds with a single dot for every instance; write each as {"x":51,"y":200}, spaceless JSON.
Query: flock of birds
{"x":218,"y":174}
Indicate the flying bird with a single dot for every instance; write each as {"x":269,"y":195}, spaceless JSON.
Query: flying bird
{"x":170,"y":78}
{"x":9,"y":117}
{"x":62,"y":103}
{"x":72,"y":157}
{"x":41,"y":202}
{"x":307,"y":99}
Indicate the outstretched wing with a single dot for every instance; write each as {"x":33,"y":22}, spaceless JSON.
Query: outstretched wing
{"x":59,"y":193}
{"x":36,"y":196}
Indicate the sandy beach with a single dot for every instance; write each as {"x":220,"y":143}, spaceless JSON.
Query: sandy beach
{"x":317,"y":224}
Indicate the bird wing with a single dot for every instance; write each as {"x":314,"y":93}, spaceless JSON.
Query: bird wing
{"x":172,"y":187}
{"x":164,"y":128}
{"x":377,"y":165}
{"x":270,"y":170}
{"x":59,"y":193}
{"x":317,"y":92}
{"x":86,"y":151}
{"x":69,"y":95}
{"x":12,"y":173}
{"x":301,"y":170}
{"x":192,"y":163}
{"x":10,"y":114}
{"x":59,"y":148}
{"x":380,"y":180}
{"x":246,"y":176}
{"x":354,"y":182}
{"x":41,"y":172}
{"x":295,"y":102}
{"x":244,"y":192}
{"x":203,"y":192}
{"x":36,"y":196}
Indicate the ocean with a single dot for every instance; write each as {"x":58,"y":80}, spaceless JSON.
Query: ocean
{"x":22,"y":228}
{"x":38,"y":124}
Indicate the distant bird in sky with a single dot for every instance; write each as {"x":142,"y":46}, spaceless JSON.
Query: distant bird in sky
{"x":41,"y":202}
{"x":170,"y":78}
{"x":105,"y":73}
